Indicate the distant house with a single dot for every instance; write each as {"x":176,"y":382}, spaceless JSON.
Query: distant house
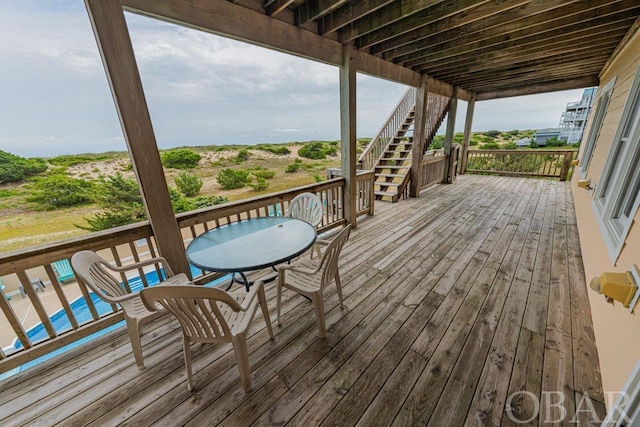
{"x":542,"y":135}
{"x":575,"y":116}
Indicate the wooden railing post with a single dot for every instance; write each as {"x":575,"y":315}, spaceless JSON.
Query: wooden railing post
{"x":566,"y":165}
{"x":467,"y":134}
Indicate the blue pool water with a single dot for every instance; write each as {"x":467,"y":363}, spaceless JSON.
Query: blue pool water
{"x":61,"y":322}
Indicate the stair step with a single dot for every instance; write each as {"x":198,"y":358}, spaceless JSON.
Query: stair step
{"x":390,"y":175}
{"x":398,"y":151}
{"x":392,"y":167}
{"x":388,"y":184}
{"x":385,"y":193}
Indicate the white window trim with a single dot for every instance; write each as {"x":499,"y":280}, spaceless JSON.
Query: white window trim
{"x":615,"y":231}
{"x":599,"y":112}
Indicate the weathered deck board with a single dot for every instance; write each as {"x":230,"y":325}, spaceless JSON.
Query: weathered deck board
{"x":459,"y":304}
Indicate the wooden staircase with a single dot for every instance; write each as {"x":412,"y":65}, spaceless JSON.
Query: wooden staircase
{"x":394,"y":165}
{"x":389,"y":153}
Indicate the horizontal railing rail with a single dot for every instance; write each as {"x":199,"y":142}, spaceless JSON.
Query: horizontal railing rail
{"x":533,"y":163}
{"x":125,"y":245}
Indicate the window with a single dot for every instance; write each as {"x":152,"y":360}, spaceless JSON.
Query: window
{"x":618,"y":193}
{"x":598,"y":117}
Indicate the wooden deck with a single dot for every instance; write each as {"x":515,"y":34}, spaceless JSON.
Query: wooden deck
{"x":463,"y":307}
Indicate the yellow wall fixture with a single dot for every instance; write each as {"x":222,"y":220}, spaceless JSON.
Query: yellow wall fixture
{"x":621,"y":287}
{"x":575,"y":162}
{"x":584,"y":183}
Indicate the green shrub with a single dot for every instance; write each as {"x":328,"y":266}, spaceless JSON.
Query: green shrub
{"x":206,"y":201}
{"x":317,"y":178}
{"x":555,"y":142}
{"x":514,"y":132}
{"x":78,"y":159}
{"x":297,"y":160}
{"x":189,"y":184}
{"x":313,"y":150}
{"x":492,"y":133}
{"x":533,"y":144}
{"x":58,"y":190}
{"x":490,"y":146}
{"x":510,"y":145}
{"x":473,"y":142}
{"x":230,"y":179}
{"x":243,"y":156}
{"x":279,"y":150}
{"x":180,"y":159}
{"x":260,"y":185}
{"x":263,"y":173}
{"x":293,"y":167}
{"x":16,"y":168}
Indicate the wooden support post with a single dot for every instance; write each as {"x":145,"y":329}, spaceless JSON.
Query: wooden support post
{"x":451,"y":127}
{"x":348,"y":131}
{"x":114,"y":43}
{"x":418,"y":137}
{"x":566,"y":165}
{"x":467,"y":133}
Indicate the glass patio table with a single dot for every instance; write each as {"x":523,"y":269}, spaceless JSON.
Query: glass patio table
{"x":250,"y":245}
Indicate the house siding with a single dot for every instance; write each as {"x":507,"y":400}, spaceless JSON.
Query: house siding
{"x":616,"y":329}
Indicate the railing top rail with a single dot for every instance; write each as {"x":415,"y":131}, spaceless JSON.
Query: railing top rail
{"x":523,"y":152}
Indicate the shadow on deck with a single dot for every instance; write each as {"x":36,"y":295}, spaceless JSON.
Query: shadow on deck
{"x":465,"y":306}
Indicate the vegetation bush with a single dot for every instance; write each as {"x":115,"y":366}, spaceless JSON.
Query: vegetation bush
{"x":492,"y":133}
{"x":514,"y":132}
{"x":511,"y":145}
{"x":555,"y":142}
{"x":243,"y":156}
{"x":260,"y":185}
{"x":473,"y":142}
{"x":317,"y":178}
{"x":15,"y":168}
{"x":293,"y":167}
{"x":490,"y":146}
{"x":279,"y":150}
{"x":189,"y":184}
{"x":313,"y":150}
{"x":263,"y":173}
{"x":79,"y":159}
{"x":59,"y":190}
{"x":230,"y":179}
{"x":180,"y":159}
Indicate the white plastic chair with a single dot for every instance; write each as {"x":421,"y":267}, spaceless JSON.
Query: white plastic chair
{"x":309,"y":278}
{"x":211,"y":315}
{"x":307,"y":207}
{"x":98,"y":275}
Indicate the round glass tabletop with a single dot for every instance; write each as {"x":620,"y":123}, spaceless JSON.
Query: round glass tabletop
{"x":251,"y":244}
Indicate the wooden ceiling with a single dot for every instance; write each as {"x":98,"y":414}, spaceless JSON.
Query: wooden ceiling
{"x":494,"y":48}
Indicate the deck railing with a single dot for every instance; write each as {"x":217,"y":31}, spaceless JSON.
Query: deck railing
{"x":369,"y":157}
{"x":128,"y":244}
{"x":534,"y":163}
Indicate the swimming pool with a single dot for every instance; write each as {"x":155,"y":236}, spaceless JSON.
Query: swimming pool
{"x":61,"y":323}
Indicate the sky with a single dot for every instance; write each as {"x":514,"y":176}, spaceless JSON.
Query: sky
{"x":201,"y":89}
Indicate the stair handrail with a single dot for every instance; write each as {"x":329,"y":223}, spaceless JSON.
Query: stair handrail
{"x":388,"y":131}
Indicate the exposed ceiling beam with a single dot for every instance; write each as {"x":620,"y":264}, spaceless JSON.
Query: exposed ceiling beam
{"x":430,"y":22}
{"x":419,"y":19}
{"x":551,"y":28}
{"x":528,"y":89}
{"x":384,"y":16}
{"x":349,"y":13}
{"x":490,"y":58}
{"x":276,"y":6}
{"x":455,"y":28}
{"x":532,"y":80}
{"x":314,"y":9}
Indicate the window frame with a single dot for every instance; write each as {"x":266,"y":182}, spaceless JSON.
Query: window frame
{"x":599,"y":113}
{"x":621,"y":170}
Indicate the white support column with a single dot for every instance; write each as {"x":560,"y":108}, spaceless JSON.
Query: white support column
{"x":467,"y":133}
{"x":114,"y":43}
{"x":451,"y":126}
{"x":418,"y":136}
{"x":348,"y":131}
